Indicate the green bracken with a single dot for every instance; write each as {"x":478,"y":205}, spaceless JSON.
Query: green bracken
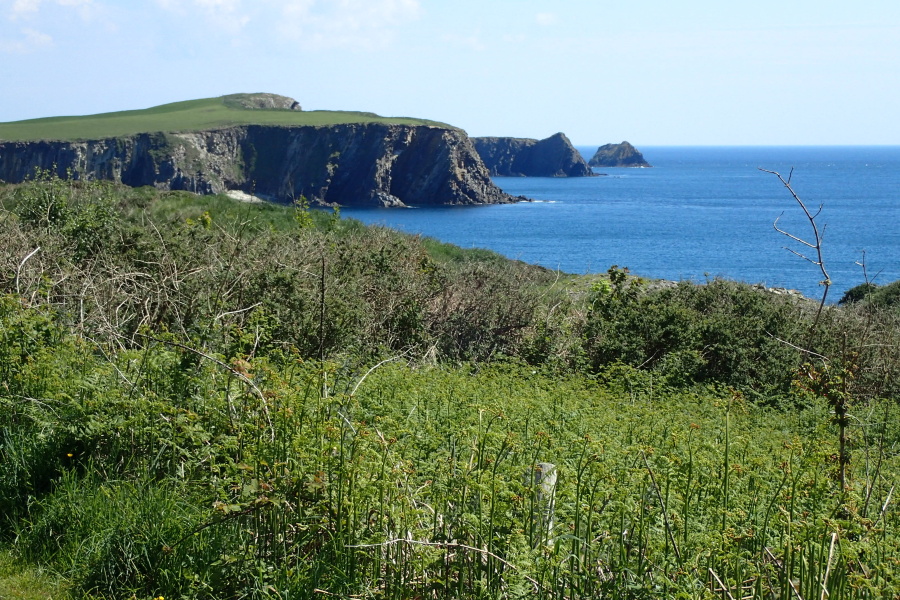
{"x":222,"y":400}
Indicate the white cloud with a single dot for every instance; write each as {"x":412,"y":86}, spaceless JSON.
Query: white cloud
{"x":30,"y":41}
{"x":228,"y":15}
{"x":312,"y":23}
{"x":87,"y":9}
{"x":355,"y":23}
{"x":30,"y":8}
{"x":546,"y":19}
{"x":24,"y":7}
{"x":471,"y":42}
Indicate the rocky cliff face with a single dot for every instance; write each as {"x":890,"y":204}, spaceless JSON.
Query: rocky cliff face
{"x":262,"y":101}
{"x":618,"y":155}
{"x":523,"y":157}
{"x":352,"y":165}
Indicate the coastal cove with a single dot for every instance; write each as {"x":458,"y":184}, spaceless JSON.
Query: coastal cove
{"x":700,"y":212}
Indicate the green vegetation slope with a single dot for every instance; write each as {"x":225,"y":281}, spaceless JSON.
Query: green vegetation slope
{"x":207,"y":399}
{"x":191,"y":115}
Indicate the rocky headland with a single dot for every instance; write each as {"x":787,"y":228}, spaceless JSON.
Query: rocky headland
{"x":523,"y":157}
{"x":618,"y":155}
{"x":352,"y":164}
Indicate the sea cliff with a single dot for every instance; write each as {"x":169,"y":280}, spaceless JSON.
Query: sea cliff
{"x":354,"y":164}
{"x":524,"y":157}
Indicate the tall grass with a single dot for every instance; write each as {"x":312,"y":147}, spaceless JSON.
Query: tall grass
{"x":419,"y":485}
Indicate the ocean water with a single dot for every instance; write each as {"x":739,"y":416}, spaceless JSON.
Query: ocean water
{"x":699,"y":213}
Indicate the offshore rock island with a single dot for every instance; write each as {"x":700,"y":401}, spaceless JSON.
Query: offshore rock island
{"x":268,"y":147}
{"x":524,"y":157}
{"x":618,"y":155}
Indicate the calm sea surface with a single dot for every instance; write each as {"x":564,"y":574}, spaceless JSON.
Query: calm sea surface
{"x":700,"y":212}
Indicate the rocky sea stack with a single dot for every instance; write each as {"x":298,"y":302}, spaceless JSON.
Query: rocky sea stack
{"x":618,"y":155}
{"x":272,"y":150}
{"x":522,"y":157}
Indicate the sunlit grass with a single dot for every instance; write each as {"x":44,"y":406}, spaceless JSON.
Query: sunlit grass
{"x":20,"y":582}
{"x":191,"y":115}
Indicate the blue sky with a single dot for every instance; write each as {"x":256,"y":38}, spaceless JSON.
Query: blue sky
{"x":695,"y":72}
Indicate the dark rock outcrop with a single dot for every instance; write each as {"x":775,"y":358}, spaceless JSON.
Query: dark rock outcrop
{"x":523,"y":157}
{"x":261,"y":102}
{"x":364,"y":164}
{"x":618,"y":155}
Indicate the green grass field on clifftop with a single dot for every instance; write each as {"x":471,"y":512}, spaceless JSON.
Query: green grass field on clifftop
{"x":190,"y":115}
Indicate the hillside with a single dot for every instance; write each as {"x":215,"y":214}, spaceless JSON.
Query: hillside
{"x":187,"y":116}
{"x":206,"y":399}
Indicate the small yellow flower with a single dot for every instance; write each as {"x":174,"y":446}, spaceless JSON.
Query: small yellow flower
{"x":69,"y":455}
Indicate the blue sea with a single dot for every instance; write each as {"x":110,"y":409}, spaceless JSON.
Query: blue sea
{"x":699,"y":213}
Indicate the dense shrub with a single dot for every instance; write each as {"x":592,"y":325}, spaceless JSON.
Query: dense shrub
{"x":887,"y":296}
{"x":248,"y":278}
{"x":720,"y":331}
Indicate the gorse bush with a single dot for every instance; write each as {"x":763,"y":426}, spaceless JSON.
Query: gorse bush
{"x":210,"y":270}
{"x":734,"y":334}
{"x":718,"y":332}
{"x":83,"y":215}
{"x":872,"y":295}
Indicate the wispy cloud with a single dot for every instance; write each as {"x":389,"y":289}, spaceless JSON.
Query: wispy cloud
{"x":31,"y":9}
{"x":37,"y":18}
{"x":471,"y":42}
{"x":230,"y":16}
{"x":22,"y":8}
{"x":311,"y":23}
{"x":354,"y":23}
{"x":546,"y":19}
{"x":29,"y":41}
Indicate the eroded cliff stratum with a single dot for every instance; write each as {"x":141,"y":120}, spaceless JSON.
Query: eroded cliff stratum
{"x":365,"y":161}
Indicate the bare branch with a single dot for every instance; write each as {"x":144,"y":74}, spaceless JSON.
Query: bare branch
{"x":723,"y":587}
{"x":21,"y":264}
{"x":363,"y":378}
{"x":803,"y":256}
{"x":505,"y":562}
{"x":817,"y":239}
{"x":234,"y":312}
{"x":798,"y":348}
{"x":793,"y":237}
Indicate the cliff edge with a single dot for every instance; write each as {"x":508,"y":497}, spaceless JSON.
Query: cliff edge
{"x":379,"y":162}
{"x":523,"y":157}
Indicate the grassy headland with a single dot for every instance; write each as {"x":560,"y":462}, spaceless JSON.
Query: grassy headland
{"x":191,"y":115}
{"x":208,"y":399}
